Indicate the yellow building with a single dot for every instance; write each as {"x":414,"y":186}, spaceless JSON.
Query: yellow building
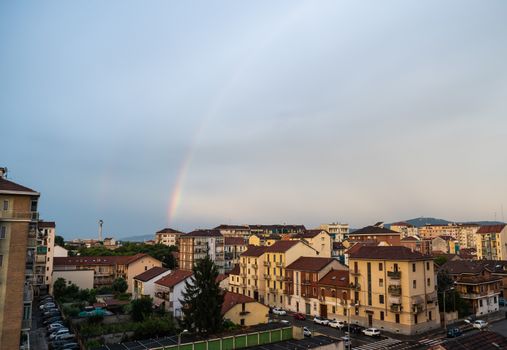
{"x":244,"y":311}
{"x":168,"y":236}
{"x":318,"y":239}
{"x":394,"y":289}
{"x":492,"y":242}
{"x":406,"y":229}
{"x":247,"y":277}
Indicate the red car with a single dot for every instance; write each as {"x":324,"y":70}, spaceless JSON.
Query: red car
{"x":299,"y":316}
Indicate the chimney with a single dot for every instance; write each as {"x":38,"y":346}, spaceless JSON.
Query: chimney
{"x":3,"y":172}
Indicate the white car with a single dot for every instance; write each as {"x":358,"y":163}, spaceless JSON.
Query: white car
{"x":47,"y":306}
{"x":336,"y":324}
{"x":54,"y":327}
{"x":307,"y":332}
{"x":278,"y":311}
{"x":372,"y":332}
{"x":480,"y":324}
{"x":346,"y":341}
{"x":322,"y":321}
{"x":58,"y":332}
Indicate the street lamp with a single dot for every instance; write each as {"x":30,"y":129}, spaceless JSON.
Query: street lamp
{"x":347,"y":307}
{"x":445,"y":319}
{"x":179,"y":337}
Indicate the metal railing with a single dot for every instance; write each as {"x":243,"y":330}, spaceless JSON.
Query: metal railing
{"x":394,"y":274}
{"x":19,"y":215}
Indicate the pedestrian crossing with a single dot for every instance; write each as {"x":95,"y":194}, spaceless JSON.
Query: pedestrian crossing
{"x":382,"y":344}
{"x":431,"y":341}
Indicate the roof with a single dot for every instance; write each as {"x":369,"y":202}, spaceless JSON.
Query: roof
{"x":234,"y":241}
{"x":457,"y":267}
{"x":204,"y":233}
{"x":97,"y":260}
{"x":169,"y":230}
{"x":477,"y":279}
{"x":377,"y":230}
{"x":491,"y":229}
{"x":318,"y":341}
{"x":338,"y":245}
{"x":235,"y":270}
{"x":254,"y":250}
{"x":47,"y":224}
{"x":411,"y":239}
{"x":281,"y":246}
{"x":446,"y":237}
{"x":9,"y":186}
{"x":483,"y":340}
{"x":402,"y":223}
{"x":221,"y":277}
{"x":387,"y":253}
{"x":305,"y":263}
{"x":151,"y":274}
{"x":233,"y":299}
{"x":337,"y":278}
{"x":278,"y":227}
{"x":232,"y":227}
{"x":174,"y":278}
{"x":309,"y":233}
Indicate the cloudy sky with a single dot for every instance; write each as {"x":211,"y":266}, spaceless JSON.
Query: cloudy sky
{"x":192,"y":114}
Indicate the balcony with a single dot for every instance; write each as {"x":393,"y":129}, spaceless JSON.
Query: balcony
{"x":395,"y":307}
{"x":267,"y":264}
{"x":280,"y":264}
{"x":242,"y":265}
{"x":27,"y":294}
{"x":267,"y":277}
{"x":31,"y":242}
{"x":394,"y":274}
{"x":394,"y":290}
{"x":255,"y":266}
{"x":355,"y":286}
{"x":280,"y":278}
{"x":255,"y":277}
{"x":40,"y":259}
{"x":243,"y":275}
{"x":26,"y":324}
{"x":417,"y":308}
{"x":305,"y":282}
{"x":355,"y":272}
{"x":394,"y":300}
{"x":19,"y":215}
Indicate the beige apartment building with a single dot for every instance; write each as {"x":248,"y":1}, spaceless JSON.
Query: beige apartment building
{"x":394,"y":289}
{"x":242,"y":231}
{"x":44,"y":256}
{"x":432,"y":231}
{"x":18,"y":242}
{"x":337,"y":231}
{"x":199,"y":243}
{"x":492,"y":242}
{"x":406,"y":229}
{"x":318,"y":239}
{"x":168,"y":236}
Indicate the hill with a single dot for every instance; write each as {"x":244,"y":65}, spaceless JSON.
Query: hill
{"x":140,"y":238}
{"x":418,"y":222}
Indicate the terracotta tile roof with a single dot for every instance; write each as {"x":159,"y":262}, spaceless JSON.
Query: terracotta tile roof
{"x":309,"y":264}
{"x":232,"y":227}
{"x":337,"y":278}
{"x":221,"y":277}
{"x":151,"y":273}
{"x":387,"y":253}
{"x":174,"y":278}
{"x":6,"y":185}
{"x":254,"y":250}
{"x":458,"y":267}
{"x":309,"y":233}
{"x":235,"y":270}
{"x":446,"y":237}
{"x":281,"y":246}
{"x":376,"y":230}
{"x":233,"y":299}
{"x":491,"y":229}
{"x":47,"y":224}
{"x":203,"y":233}
{"x":97,"y":260}
{"x":278,"y":227}
{"x":483,"y":340}
{"x":477,"y":279}
{"x":169,"y":230}
{"x":234,"y":241}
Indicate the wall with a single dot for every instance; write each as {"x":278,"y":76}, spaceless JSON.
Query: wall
{"x":139,"y":266}
{"x":255,"y":313}
{"x":81,"y":278}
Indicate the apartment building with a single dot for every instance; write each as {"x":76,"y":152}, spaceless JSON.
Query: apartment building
{"x":318,"y":239}
{"x":492,"y":242}
{"x":394,"y":289}
{"x":432,"y":231}
{"x":199,"y":243}
{"x":334,"y":291}
{"x":168,"y":236}
{"x":234,"y":246}
{"x":301,"y":284}
{"x":375,"y":233}
{"x":234,"y":230}
{"x":169,"y":291}
{"x":444,"y":244}
{"x":417,"y":244}
{"x":107,"y":268}
{"x":337,"y":231}
{"x":248,"y":277}
{"x":144,"y":283}
{"x":18,"y":243}
{"x":406,"y":229}
{"x":44,"y":256}
{"x":467,"y":235}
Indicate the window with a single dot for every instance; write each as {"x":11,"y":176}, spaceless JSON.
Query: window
{"x":480,"y":302}
{"x":427,"y":265}
{"x":429,"y":315}
{"x":1,"y":259}
{"x":355,"y":266}
{"x":146,"y":268}
{"x":242,"y":322}
{"x":415,"y":318}
{"x":380,"y":267}
{"x":334,"y":309}
{"x":3,"y":232}
{"x":414,"y":284}
{"x":380,"y":282}
{"x":381,"y":298}
{"x":413,"y":267}
{"x":494,"y":299}
{"x":429,"y":282}
{"x":382,"y":315}
{"x":397,"y":318}
{"x":6,"y":205}
{"x":396,"y":267}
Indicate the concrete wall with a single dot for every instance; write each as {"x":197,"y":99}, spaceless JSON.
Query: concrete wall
{"x":81,"y":278}
{"x":255,"y":313}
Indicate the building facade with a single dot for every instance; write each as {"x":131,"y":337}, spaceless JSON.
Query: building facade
{"x":492,"y":242}
{"x":337,"y":231}
{"x":199,"y":243}
{"x":44,"y":256}
{"x":234,"y":246}
{"x":144,"y":283}
{"x":378,"y":234}
{"x":318,"y":239}
{"x":168,"y":236}
{"x":169,"y":291}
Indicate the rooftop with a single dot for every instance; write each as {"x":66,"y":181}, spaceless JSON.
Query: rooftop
{"x":97,"y":260}
{"x":491,"y":229}
{"x":254,"y":250}
{"x":235,"y":270}
{"x":377,"y":230}
{"x":169,"y":230}
{"x":337,"y":278}
{"x":281,"y":246}
{"x":203,"y":233}
{"x":47,"y":224}
{"x":309,"y":233}
{"x":387,"y":253}
{"x":232,"y":299}
{"x":9,"y":186}
{"x":151,"y":274}
{"x":174,"y":278}
{"x":310,"y":263}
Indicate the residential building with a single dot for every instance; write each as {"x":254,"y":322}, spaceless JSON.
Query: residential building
{"x":111,"y":243}
{"x":301,"y":284}
{"x":242,"y":231}
{"x":18,"y":242}
{"x":44,"y":256}
{"x":337,"y":231}
{"x":406,"y":229}
{"x":492,"y":242}
{"x":476,"y":283}
{"x":334,"y":291}
{"x":108,"y":268}
{"x":376,"y":233}
{"x":82,"y":278}
{"x":443,"y":244}
{"x":235,"y":282}
{"x":417,"y":244}
{"x":199,"y":243}
{"x":144,"y":283}
{"x":169,"y":291}
{"x":248,"y":277}
{"x":60,"y":252}
{"x":168,"y":236}
{"x":243,"y":310}
{"x":467,"y":235}
{"x":269,"y":230}
{"x":318,"y":239}
{"x":234,"y":246}
{"x":259,"y":240}
{"x":394,"y":289}
{"x":338,"y":251}
{"x":432,"y":231}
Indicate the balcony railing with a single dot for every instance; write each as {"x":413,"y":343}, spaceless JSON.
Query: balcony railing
{"x":255,"y":266}
{"x":417,"y":308}
{"x":267,"y":277}
{"x":355,"y":286}
{"x":394,"y":290}
{"x":19,"y":215}
{"x":279,"y":278}
{"x":242,"y":265}
{"x":267,"y":263}
{"x":279,"y":264}
{"x":27,"y":294}
{"x":394,"y":274}
{"x":31,"y":242}
{"x":355,"y":272}
{"x":395,"y":307}
{"x":40,"y":259}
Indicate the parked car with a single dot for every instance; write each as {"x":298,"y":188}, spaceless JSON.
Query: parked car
{"x":371,"y":332}
{"x":299,"y":316}
{"x":346,"y":340}
{"x":470,"y":319}
{"x":307,"y":332}
{"x":320,"y":320}
{"x":60,"y":331}
{"x":336,"y":324}
{"x":51,"y":315}
{"x":285,"y":322}
{"x":454,"y":332}
{"x":52,"y":319}
{"x":501,"y":301}
{"x":65,"y":336}
{"x":69,"y":346}
{"x":54,"y":327}
{"x":278,"y":311}
{"x":47,"y":305}
{"x":51,"y":311}
{"x":356,"y":329}
{"x":480,"y":324}
{"x":57,"y":344}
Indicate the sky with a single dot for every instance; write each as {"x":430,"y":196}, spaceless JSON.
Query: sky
{"x":191,"y":114}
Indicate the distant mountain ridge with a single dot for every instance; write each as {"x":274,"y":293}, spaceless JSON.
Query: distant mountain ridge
{"x":140,"y":238}
{"x":422,"y":221}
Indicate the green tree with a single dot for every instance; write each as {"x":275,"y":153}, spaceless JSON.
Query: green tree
{"x":120,"y":285}
{"x":203,"y":299}
{"x":440,"y":260}
{"x":59,"y":288}
{"x":59,"y":241}
{"x":141,"y":308}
